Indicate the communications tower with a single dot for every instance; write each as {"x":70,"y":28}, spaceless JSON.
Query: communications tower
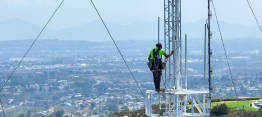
{"x":177,"y":100}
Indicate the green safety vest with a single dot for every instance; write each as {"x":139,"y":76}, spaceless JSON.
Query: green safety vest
{"x":160,"y":54}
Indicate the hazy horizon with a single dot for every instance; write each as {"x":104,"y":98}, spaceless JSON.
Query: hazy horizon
{"x":127,"y":20}
{"x":75,"y":13}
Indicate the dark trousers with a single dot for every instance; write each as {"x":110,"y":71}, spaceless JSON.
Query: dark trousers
{"x":157,"y":78}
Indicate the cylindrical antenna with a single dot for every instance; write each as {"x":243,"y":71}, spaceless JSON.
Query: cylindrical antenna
{"x":158,"y":29}
{"x":186,"y":61}
{"x":205,"y":39}
{"x":209,"y":55}
{"x":180,"y":35}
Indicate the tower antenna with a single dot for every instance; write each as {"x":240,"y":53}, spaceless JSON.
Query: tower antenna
{"x":209,"y":55}
{"x":176,"y":97}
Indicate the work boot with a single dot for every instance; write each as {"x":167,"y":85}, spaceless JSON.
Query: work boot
{"x":157,"y":90}
{"x":162,"y":89}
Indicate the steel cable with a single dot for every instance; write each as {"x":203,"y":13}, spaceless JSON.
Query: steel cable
{"x":254,"y":15}
{"x":118,"y":49}
{"x":225,"y":51}
{"x":226,"y":54}
{"x":29,"y":49}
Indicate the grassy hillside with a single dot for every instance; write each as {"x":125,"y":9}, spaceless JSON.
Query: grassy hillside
{"x":236,"y":108}
{"x":237,"y":105}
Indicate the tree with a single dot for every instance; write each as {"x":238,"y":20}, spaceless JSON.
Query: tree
{"x":21,"y":115}
{"x":28,"y":114}
{"x":58,"y":113}
{"x":220,"y":110}
{"x":258,"y":113}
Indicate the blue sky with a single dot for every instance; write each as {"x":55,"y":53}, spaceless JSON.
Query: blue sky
{"x":78,"y":12}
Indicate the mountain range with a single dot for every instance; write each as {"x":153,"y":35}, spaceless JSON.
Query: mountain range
{"x":16,"y":29}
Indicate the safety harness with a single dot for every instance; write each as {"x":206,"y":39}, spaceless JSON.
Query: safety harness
{"x":156,"y":61}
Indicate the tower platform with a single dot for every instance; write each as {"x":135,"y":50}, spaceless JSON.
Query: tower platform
{"x":178,"y":103}
{"x":180,"y":92}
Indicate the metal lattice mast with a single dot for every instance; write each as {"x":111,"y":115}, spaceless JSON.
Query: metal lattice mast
{"x":167,"y":36}
{"x":177,"y":45}
{"x":176,"y":98}
{"x":172,"y":31}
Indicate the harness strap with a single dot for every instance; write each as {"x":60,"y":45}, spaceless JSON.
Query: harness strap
{"x":156,"y":62}
{"x":156,"y":53}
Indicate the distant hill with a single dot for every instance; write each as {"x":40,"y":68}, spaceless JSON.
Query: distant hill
{"x":16,"y":29}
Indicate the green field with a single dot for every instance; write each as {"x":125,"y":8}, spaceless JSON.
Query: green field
{"x":237,"y":105}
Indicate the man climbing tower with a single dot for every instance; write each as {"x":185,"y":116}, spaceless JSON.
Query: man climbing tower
{"x":155,"y":60}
